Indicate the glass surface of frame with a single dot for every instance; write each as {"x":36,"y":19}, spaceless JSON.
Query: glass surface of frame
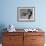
{"x":26,"y":14}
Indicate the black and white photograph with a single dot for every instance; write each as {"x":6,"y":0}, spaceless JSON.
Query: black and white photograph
{"x":25,"y":13}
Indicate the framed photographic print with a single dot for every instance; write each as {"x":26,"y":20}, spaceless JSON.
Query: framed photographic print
{"x":26,"y":14}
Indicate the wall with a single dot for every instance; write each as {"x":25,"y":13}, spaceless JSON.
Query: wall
{"x":8,"y":13}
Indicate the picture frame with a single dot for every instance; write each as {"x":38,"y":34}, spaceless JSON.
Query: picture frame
{"x":26,"y":14}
